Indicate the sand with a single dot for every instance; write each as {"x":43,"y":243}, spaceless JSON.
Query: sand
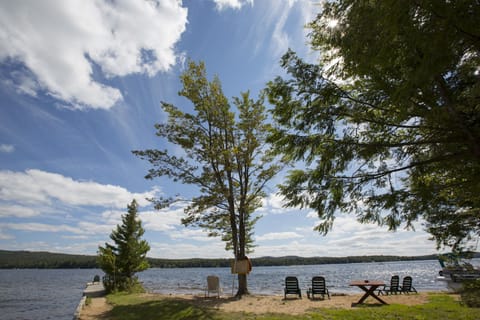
{"x":258,"y":304}
{"x":97,"y":309}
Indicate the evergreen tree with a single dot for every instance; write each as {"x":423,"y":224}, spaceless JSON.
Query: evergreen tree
{"x":128,"y":254}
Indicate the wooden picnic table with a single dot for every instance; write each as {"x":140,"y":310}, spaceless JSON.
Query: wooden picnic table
{"x":369,"y":286}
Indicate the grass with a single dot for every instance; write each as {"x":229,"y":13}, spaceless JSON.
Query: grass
{"x":136,"y":306}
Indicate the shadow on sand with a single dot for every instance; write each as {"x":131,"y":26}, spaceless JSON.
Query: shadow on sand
{"x":169,"y":308}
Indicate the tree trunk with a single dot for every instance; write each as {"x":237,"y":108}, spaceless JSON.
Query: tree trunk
{"x":242,"y":278}
{"x":242,"y":285}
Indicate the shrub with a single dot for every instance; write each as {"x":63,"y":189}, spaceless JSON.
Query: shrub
{"x":122,"y":283}
{"x":471,"y":293}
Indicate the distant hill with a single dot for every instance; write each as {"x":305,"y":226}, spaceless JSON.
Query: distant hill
{"x":48,"y":260}
{"x":44,"y":260}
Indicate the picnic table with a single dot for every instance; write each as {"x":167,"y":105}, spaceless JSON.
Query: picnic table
{"x":369,"y":286}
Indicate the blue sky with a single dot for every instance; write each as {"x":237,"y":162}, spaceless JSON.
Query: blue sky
{"x":80,"y":88}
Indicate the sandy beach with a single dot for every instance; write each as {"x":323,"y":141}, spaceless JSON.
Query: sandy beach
{"x":261,"y":304}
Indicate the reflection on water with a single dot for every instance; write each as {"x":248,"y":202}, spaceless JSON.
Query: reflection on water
{"x":54,"y":294}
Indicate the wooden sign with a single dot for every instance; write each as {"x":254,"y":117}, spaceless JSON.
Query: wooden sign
{"x":241,"y":266}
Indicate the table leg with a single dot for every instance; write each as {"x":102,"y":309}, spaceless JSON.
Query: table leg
{"x":370,"y":292}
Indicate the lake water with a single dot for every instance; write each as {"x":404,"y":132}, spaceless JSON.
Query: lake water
{"x":42,"y":294}
{"x":55,"y":294}
{"x":269,"y":280}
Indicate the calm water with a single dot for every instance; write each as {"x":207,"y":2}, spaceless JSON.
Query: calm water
{"x":54,"y":294}
{"x":42,"y":294}
{"x":269,"y":280}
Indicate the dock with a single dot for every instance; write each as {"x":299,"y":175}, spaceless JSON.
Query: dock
{"x":94,"y":289}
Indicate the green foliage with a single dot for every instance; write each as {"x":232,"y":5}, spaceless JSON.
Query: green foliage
{"x":106,"y":260}
{"x":471,"y":293}
{"x":224,"y":156}
{"x":127,"y":256}
{"x":387,"y":125}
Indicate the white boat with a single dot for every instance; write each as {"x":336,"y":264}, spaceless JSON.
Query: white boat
{"x":455,"y":271}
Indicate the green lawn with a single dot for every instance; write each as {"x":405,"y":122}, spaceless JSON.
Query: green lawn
{"x":135,"y":306}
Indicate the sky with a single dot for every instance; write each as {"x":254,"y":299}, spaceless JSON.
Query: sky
{"x":80,"y":87}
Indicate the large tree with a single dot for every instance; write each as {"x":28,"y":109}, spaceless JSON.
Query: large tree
{"x":387,"y":124}
{"x":127,"y":255}
{"x":224,"y":156}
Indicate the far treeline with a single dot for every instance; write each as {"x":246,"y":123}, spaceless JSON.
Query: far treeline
{"x":48,"y":260}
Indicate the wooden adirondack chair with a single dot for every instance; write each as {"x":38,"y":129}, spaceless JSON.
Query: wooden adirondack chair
{"x":393,"y":288}
{"x":291,"y":287}
{"x":318,"y":287}
{"x":407,"y":285}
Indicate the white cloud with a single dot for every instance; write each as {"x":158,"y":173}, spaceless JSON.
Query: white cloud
{"x":41,"y":227}
{"x":59,"y":42}
{"x":384,"y":244}
{"x":187,"y":250}
{"x":381,"y":244}
{"x":231,"y":4}
{"x":293,"y":248}
{"x":167,"y":221}
{"x":349,"y":238}
{"x":6,"y":148}
{"x":88,"y":248}
{"x":163,"y":220}
{"x":5,"y":236}
{"x":95,"y":227}
{"x":312,"y":215}
{"x":278,"y":236}
{"x":192,"y":234}
{"x":112,"y":217}
{"x":17,"y":211}
{"x":76,"y":237}
{"x":78,"y":247}
{"x":43,"y":188}
{"x":280,"y":25}
{"x":299,"y":12}
{"x":280,"y":37}
{"x":273,"y":204}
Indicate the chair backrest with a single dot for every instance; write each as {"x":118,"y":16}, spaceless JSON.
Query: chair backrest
{"x":407,"y":283}
{"x":318,"y":284}
{"x":291,"y":283}
{"x":394,"y":283}
{"x":213,"y":283}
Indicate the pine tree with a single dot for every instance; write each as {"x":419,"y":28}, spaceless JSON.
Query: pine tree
{"x":128,"y":256}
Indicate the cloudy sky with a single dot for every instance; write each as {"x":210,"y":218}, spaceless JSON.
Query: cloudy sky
{"x":80,"y":88}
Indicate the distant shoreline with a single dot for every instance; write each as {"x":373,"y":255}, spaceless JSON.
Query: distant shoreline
{"x":48,"y":260}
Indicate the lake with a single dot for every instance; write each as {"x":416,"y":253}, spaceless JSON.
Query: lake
{"x":55,"y":294}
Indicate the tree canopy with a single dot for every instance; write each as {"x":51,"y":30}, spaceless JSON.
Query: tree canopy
{"x":127,"y":255}
{"x":387,"y":124}
{"x":224,"y":156}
